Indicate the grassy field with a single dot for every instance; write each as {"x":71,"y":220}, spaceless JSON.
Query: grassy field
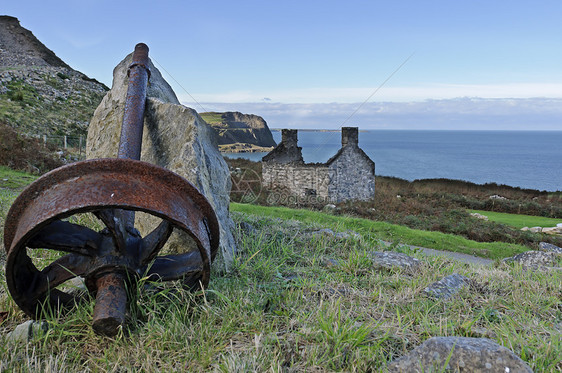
{"x":519,"y":221}
{"x":375,"y":231}
{"x":297,"y":302}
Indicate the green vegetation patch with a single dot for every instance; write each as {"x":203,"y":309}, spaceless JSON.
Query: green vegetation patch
{"x":56,"y":106}
{"x":211,"y":117}
{"x":376,"y":230}
{"x":518,"y":221}
{"x":11,"y":179}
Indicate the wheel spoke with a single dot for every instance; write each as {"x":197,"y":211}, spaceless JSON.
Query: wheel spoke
{"x":154,"y":241}
{"x":175,"y":267}
{"x":56,"y":273}
{"x":115,"y":226}
{"x":68,"y":237}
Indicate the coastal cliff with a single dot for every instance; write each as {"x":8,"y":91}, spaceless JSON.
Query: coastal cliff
{"x":237,"y":132}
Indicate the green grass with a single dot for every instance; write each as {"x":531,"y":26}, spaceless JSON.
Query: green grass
{"x":211,"y":117}
{"x":297,"y":302}
{"x":283,"y":308}
{"x":32,"y":110}
{"x":375,"y":230}
{"x":11,"y":179}
{"x":517,"y":220}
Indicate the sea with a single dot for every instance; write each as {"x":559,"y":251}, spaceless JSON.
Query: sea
{"x":525,"y":159}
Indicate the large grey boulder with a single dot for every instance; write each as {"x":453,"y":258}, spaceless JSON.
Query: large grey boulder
{"x":176,"y":138}
{"x":459,"y":354}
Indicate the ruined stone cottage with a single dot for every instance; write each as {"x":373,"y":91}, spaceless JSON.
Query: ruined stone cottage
{"x":348,"y":175}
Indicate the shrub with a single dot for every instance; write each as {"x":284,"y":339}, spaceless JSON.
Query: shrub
{"x":63,"y":76}
{"x":25,"y":154}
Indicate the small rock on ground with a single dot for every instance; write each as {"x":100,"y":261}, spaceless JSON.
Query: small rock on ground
{"x":393,"y":260}
{"x":535,"y":259}
{"x":26,"y":331}
{"x":463,"y":354}
{"x":323,"y":232}
{"x":327,"y":232}
{"x":446,"y":287}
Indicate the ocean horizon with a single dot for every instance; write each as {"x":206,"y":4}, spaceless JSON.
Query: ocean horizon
{"x":524,"y":159}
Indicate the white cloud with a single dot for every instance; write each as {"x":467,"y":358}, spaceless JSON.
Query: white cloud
{"x":386,"y":93}
{"x":459,"y":113}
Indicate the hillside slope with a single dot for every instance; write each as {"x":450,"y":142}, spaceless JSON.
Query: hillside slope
{"x":39,"y":93}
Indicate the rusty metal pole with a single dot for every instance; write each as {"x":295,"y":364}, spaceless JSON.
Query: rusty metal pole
{"x":133,"y":119}
{"x":111,"y":298}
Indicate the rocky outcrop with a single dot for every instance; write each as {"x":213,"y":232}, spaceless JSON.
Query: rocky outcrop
{"x":535,"y":259}
{"x":18,"y":46}
{"x":459,"y":354}
{"x":39,"y":93}
{"x":479,"y":216}
{"x":554,"y":231}
{"x":174,"y":137}
{"x":246,"y":131}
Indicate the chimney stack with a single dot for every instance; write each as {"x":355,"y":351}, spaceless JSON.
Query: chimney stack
{"x":289,"y":137}
{"x":349,"y":136}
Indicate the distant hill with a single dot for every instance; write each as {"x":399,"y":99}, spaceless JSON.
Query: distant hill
{"x":239,"y":132}
{"x":39,"y":93}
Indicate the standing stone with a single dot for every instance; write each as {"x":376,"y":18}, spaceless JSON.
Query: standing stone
{"x":475,"y":355}
{"x":174,"y":137}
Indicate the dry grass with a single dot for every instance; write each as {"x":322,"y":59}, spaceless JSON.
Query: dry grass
{"x":286,"y":307}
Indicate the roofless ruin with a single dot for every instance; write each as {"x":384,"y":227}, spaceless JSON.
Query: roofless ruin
{"x":348,"y":175}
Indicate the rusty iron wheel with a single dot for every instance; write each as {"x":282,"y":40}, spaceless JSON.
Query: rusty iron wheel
{"x":109,"y":188}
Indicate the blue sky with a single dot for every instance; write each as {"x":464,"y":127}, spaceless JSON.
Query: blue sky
{"x":301,"y":55}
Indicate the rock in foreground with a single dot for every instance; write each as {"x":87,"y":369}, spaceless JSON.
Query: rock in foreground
{"x":463,"y":354}
{"x":176,"y":138}
{"x":446,"y":287}
{"x":391,"y":261}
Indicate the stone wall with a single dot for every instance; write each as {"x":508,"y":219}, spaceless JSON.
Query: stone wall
{"x":348,"y":175}
{"x":301,"y":180}
{"x":352,"y":176}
